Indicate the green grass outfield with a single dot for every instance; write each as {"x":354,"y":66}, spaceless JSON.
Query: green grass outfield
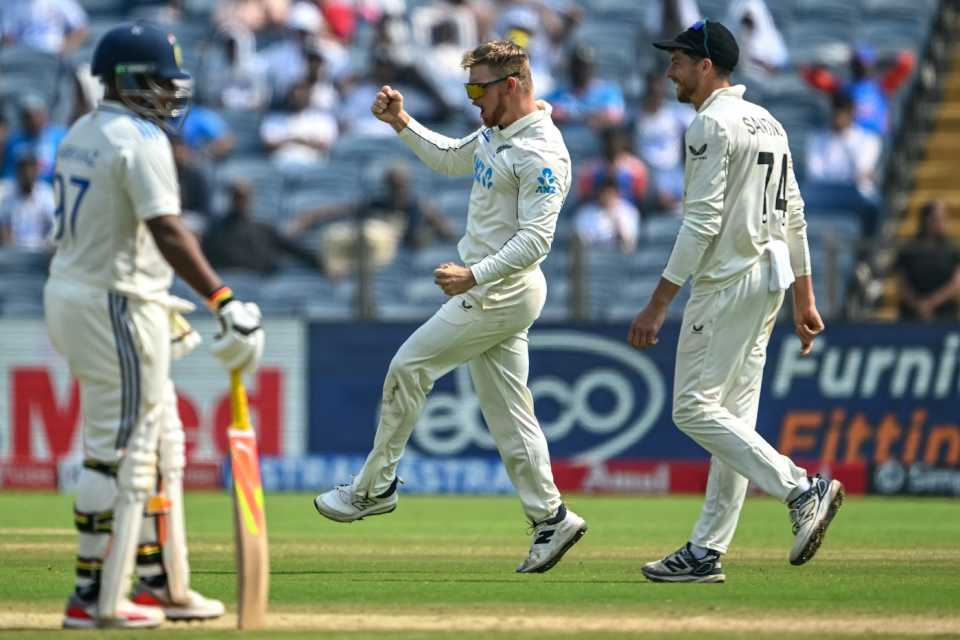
{"x":443,"y":567}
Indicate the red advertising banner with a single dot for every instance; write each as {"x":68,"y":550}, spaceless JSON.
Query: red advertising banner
{"x":659,"y":478}
{"x":40,"y":412}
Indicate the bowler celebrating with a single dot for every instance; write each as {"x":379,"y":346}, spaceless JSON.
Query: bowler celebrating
{"x":743,"y":241}
{"x":521,"y":172}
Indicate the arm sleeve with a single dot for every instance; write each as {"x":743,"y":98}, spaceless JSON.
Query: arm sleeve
{"x":544,"y":184}
{"x":151,"y":178}
{"x":901,"y":70}
{"x":706,"y":180}
{"x":821,"y":79}
{"x":446,"y":155}
{"x":796,"y":226}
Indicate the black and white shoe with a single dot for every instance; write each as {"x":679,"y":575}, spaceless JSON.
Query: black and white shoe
{"x":683,"y":566}
{"x":811,"y":513}
{"x":552,"y":538}
{"x":343,"y":504}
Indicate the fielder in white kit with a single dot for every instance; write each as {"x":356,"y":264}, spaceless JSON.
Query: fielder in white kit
{"x":743,"y":241}
{"x":522,"y":174}
{"x":109,"y":313}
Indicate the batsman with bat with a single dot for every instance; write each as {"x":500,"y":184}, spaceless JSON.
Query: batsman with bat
{"x":108,"y":310}
{"x":521,"y":172}
{"x":744,"y":242}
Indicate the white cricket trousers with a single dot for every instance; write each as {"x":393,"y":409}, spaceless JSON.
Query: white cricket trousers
{"x":720,"y":357}
{"x":118,"y":348}
{"x":494,"y":342}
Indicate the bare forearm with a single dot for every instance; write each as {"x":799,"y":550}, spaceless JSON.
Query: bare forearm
{"x":907,"y":295}
{"x":181,"y":250}
{"x":945,"y":293}
{"x":803,"y":292}
{"x":664,"y":294}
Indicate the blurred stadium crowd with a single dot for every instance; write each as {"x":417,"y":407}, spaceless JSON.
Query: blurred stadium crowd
{"x":312,"y":206}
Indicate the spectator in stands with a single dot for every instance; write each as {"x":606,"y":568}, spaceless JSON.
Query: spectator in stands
{"x":207,"y":133}
{"x":195,"y":191}
{"x":609,"y":221}
{"x":237,"y":241}
{"x":4,"y":135}
{"x":666,"y":18}
{"x":251,"y":15}
{"x":846,"y":153}
{"x":393,"y":218}
{"x":928,"y":269}
{"x":285,"y":62}
{"x":762,"y":49}
{"x":619,"y":164}
{"x":341,"y":18}
{"x":530,"y":26}
{"x":36,"y":134}
{"x":323,"y":94}
{"x":869,"y":87}
{"x":52,"y":26}
{"x":26,"y":207}
{"x":587,"y":99}
{"x":301,"y":134}
{"x":230,"y":73}
{"x":661,"y":126}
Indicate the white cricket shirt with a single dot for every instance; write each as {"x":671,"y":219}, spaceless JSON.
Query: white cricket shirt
{"x":114,"y":171}
{"x":521,"y":176}
{"x":740,"y":193}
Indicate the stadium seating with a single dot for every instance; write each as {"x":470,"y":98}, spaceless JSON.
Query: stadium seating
{"x":816,"y":31}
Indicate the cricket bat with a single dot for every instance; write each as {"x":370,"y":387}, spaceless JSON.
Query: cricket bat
{"x":249,"y":517}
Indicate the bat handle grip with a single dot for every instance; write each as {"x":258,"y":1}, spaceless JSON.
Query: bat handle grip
{"x":238,"y":401}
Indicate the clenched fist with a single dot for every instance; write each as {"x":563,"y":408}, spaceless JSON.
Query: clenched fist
{"x":388,"y":107}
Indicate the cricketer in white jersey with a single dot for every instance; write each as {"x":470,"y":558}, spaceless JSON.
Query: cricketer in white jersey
{"x":522,"y":175}
{"x":743,"y":243}
{"x":118,"y":239}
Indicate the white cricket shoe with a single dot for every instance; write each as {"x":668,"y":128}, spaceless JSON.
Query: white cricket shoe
{"x":343,"y":504}
{"x":683,"y":566}
{"x":811,"y":513}
{"x":82,"y":614}
{"x":552,"y":538}
{"x":196,"y":607}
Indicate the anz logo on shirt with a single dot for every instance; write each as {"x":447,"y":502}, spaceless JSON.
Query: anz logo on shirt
{"x":482,"y":173}
{"x":547,"y":182}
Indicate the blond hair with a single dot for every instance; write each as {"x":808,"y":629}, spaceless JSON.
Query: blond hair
{"x":504,"y":59}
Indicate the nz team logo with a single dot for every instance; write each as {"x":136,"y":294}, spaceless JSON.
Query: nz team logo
{"x":547,"y":182}
{"x":594,"y":398}
{"x":482,"y":173}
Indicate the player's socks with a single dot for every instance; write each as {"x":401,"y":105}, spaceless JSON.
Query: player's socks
{"x":802,"y":487}
{"x":698,"y":552}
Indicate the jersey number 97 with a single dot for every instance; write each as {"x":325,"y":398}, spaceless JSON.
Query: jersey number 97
{"x":59,"y":188}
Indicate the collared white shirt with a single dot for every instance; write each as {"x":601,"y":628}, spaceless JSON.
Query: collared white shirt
{"x":740,"y":193}
{"x":114,"y":172}
{"x":521,"y":177}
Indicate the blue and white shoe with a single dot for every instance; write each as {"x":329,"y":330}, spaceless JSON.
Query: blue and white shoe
{"x":683,"y":566}
{"x":553,"y":537}
{"x":811,"y":513}
{"x":343,"y":504}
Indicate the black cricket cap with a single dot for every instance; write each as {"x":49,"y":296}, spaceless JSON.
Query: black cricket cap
{"x":706,"y":39}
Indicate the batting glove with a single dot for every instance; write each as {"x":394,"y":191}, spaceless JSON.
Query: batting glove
{"x":239,"y":345}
